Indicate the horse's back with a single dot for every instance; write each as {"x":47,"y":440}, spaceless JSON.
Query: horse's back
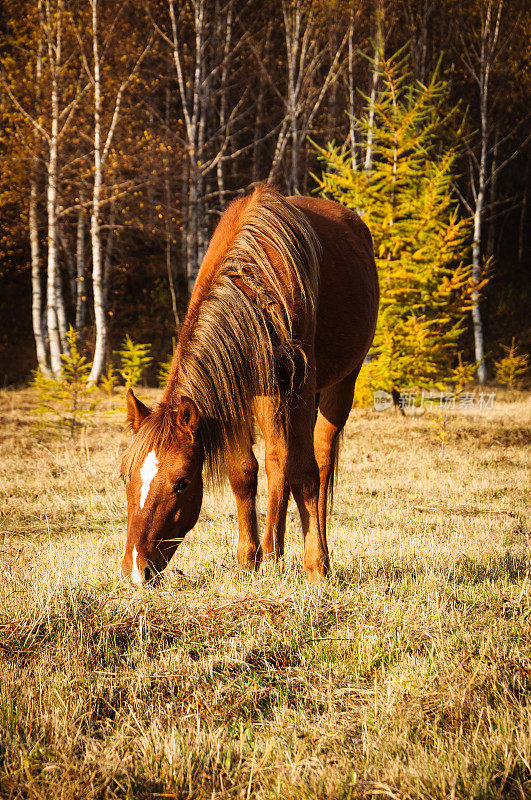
{"x":348,"y":289}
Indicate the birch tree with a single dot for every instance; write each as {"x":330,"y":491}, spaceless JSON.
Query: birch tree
{"x":351,"y":92}
{"x":102,"y":142}
{"x":56,"y":96}
{"x":202,"y":73}
{"x":378,"y":54}
{"x":308,"y":79}
{"x":482,"y":50}
{"x":36,"y":293}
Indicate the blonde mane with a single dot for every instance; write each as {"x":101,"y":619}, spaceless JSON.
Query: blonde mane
{"x":240,"y":342}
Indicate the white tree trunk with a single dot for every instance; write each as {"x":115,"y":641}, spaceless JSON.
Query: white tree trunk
{"x":489,"y":39}
{"x":303,"y":98}
{"x":36,"y":290}
{"x":292,"y":26}
{"x":476,"y":275}
{"x":100,"y":156}
{"x":190,"y":94}
{"x":477,"y":240}
{"x":54,"y":53}
{"x":374,"y":91}
{"x":95,"y":234}
{"x":36,"y":293}
{"x":352,"y":118}
{"x":51,"y":314}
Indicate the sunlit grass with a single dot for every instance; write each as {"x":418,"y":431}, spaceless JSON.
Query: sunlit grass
{"x":407,"y":675}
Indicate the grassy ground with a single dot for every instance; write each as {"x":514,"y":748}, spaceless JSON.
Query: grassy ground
{"x":407,"y":675}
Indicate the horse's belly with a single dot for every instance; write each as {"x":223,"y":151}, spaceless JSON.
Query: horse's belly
{"x":341,"y":342}
{"x":348,"y":290}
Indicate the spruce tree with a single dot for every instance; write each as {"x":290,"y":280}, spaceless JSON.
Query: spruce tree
{"x":420,"y":241}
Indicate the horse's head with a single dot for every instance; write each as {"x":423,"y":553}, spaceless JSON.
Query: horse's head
{"x":162,"y":471}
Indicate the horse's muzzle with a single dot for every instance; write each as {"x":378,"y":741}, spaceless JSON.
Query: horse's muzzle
{"x":150,"y":577}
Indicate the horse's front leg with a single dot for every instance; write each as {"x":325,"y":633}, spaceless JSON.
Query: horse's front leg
{"x":243,"y":477}
{"x":273,"y":427}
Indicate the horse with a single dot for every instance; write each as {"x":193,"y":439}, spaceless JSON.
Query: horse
{"x":281,"y":317}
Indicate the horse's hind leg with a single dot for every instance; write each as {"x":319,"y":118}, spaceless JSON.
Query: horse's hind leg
{"x":243,"y":477}
{"x":335,"y":403}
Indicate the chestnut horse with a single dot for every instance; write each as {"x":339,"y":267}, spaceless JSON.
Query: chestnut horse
{"x":281,"y":317}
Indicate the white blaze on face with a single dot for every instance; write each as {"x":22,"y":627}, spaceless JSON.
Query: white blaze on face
{"x":147,"y":473}
{"x":136,"y":576}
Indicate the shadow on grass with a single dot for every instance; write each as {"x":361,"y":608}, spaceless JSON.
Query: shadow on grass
{"x":510,"y":567}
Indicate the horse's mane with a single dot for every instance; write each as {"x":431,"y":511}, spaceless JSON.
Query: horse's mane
{"x":241,"y":343}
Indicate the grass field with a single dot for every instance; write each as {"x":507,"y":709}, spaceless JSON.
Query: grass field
{"x":407,"y":675}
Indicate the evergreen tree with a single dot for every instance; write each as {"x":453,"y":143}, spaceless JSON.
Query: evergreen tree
{"x":134,"y":359}
{"x":419,"y":239}
{"x":67,"y":397}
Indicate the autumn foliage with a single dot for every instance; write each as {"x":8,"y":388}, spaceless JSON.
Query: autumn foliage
{"x":420,"y":238}
{"x":127,"y":128}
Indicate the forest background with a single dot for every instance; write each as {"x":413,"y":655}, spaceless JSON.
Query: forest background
{"x":127,"y":128}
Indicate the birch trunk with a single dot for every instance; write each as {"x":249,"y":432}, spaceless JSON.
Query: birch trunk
{"x":190,"y":98}
{"x":36,"y":292}
{"x":303,"y":98}
{"x":479,"y":350}
{"x":51,"y":314}
{"x":476,"y":275}
{"x":352,"y":118}
{"x":487,"y":55}
{"x":97,"y":269}
{"x":36,"y":289}
{"x":54,"y":53}
{"x":292,"y":25}
{"x":101,"y":152}
{"x":374,"y":91}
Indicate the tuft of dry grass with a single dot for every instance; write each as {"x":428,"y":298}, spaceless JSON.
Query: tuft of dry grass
{"x":406,"y":675}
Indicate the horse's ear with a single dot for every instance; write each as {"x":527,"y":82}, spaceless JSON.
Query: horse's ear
{"x":188,"y":416}
{"x":136,"y":411}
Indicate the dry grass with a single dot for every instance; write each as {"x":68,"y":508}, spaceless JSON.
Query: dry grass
{"x":407,"y":675}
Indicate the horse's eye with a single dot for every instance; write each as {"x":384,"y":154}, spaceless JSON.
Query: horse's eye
{"x":181,"y":485}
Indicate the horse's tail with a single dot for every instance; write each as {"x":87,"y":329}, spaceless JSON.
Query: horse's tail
{"x":333,"y":473}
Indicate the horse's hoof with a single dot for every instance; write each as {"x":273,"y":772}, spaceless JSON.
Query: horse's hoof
{"x":249,"y":560}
